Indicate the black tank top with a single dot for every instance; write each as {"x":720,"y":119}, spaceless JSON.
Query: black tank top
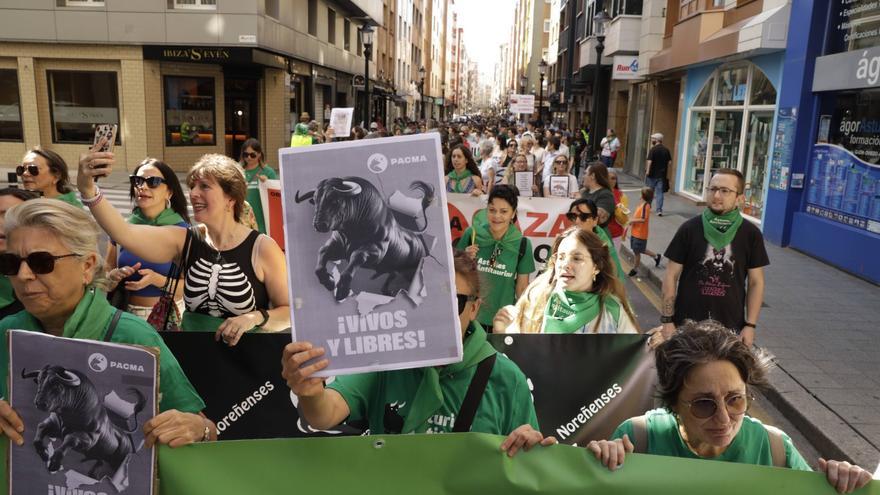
{"x":223,"y":283}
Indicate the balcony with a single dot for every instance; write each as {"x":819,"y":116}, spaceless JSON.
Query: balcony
{"x":623,"y":35}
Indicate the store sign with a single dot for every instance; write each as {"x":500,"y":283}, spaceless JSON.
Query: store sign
{"x":522,"y":103}
{"x":625,"y":67}
{"x":854,"y":26}
{"x":850,"y":70}
{"x":198,"y":54}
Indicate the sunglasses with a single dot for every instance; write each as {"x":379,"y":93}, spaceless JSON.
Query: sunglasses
{"x":151,"y":182}
{"x":571,"y":216}
{"x":40,"y":262}
{"x":31,"y":169}
{"x":463,"y":299}
{"x":707,"y":407}
{"x":561,"y":162}
{"x":246,"y":154}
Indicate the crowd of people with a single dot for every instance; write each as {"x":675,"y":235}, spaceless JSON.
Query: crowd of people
{"x":155,"y":275}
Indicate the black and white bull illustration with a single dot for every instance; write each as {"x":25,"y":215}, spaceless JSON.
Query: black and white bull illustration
{"x":78,"y":417}
{"x":365,"y":232}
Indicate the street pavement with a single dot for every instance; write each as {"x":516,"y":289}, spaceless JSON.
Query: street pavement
{"x":820,"y":323}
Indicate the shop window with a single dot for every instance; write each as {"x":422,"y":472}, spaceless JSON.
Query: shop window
{"x":80,"y":3}
{"x":758,"y":146}
{"x":697,"y":151}
{"x":705,"y":97}
{"x":189,"y":111}
{"x":10,"y":108}
{"x":731,"y":89}
{"x":763,"y":92}
{"x":78,"y":101}
{"x":195,"y":4}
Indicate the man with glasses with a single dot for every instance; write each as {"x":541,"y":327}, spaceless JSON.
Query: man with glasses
{"x":716,"y":264}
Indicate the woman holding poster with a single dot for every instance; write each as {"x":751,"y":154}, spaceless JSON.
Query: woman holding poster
{"x":579,"y":293}
{"x":503,"y":254}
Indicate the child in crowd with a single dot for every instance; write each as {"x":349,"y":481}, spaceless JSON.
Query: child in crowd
{"x":639,"y":236}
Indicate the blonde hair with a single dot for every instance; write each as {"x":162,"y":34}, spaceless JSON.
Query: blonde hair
{"x":226,"y":173}
{"x":533,"y":301}
{"x":71,"y":225}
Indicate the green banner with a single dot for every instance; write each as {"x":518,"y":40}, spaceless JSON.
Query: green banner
{"x":453,"y":464}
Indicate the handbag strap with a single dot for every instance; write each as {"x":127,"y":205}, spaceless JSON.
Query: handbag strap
{"x":112,"y":328}
{"x":175,"y":273}
{"x":474,"y":394}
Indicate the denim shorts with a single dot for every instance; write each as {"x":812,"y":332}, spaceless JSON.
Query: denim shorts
{"x":638,"y":245}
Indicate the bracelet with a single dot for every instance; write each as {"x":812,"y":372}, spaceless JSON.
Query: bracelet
{"x":265,"y":317}
{"x":747,"y":324}
{"x":207,"y":435}
{"x":99,"y":195}
{"x":666,"y":319}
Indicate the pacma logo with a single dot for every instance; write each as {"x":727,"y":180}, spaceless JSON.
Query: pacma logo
{"x":377,"y":162}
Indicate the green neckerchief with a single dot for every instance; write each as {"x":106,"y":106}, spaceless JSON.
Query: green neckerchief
{"x":167,"y":217}
{"x":510,"y":241}
{"x":89,"y":320}
{"x":568,"y":311}
{"x":7,"y":295}
{"x":455,"y":176}
{"x":429,"y":396}
{"x":719,"y":230}
{"x":599,"y":231}
{"x":70,"y":198}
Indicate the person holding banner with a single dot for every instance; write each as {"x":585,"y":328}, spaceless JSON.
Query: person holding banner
{"x":521,"y":165}
{"x":560,"y":169}
{"x":583,"y":213}
{"x":425,"y":400}
{"x":705,"y":379}
{"x":255,"y":171}
{"x":53,"y":262}
{"x":503,"y":254}
{"x":579,"y":293}
{"x":462,"y":173}
{"x":235,"y":279}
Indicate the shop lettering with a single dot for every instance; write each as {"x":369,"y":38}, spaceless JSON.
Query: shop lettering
{"x":195,"y":54}
{"x":863,"y":126}
{"x":868,"y":69}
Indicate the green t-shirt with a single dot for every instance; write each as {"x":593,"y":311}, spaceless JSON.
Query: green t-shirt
{"x":70,"y":197}
{"x":377,"y":397}
{"x":253,"y":193}
{"x":499,"y":281}
{"x":751,"y":445}
{"x":176,"y":392}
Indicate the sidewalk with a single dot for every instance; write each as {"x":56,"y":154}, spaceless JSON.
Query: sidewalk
{"x":821,"y":324}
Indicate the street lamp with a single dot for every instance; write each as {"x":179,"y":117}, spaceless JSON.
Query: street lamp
{"x":542,"y":71}
{"x":600,"y":22}
{"x":523,"y":80}
{"x":443,"y":108}
{"x":422,"y":91}
{"x":367,"y":40}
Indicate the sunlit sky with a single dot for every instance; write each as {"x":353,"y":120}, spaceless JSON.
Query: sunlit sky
{"x":486,"y":26}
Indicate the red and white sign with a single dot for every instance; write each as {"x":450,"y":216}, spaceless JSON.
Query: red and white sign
{"x":625,"y":67}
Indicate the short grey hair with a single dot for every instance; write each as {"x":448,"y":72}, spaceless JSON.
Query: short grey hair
{"x":486,"y":148}
{"x":70,"y":224}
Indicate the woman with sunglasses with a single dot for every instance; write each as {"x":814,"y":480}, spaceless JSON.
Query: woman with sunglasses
{"x":52,"y":259}
{"x":45,"y":172}
{"x":255,"y":171}
{"x":506,"y":407}
{"x":579,"y":292}
{"x":583,"y":214}
{"x":9,"y":197}
{"x":159,"y":200}
{"x":520,"y":164}
{"x":706,"y":376}
{"x":560,"y":169}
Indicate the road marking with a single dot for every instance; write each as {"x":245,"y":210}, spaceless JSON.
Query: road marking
{"x":645,"y":287}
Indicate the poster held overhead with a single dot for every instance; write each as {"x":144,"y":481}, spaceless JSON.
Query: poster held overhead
{"x":371,"y":274}
{"x":340,"y":121}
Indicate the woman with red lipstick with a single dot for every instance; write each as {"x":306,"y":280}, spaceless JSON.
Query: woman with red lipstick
{"x":705,"y":379}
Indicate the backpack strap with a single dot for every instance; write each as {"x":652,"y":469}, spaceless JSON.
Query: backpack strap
{"x":474,"y":394}
{"x":112,"y":328}
{"x":522,"y":250}
{"x":777,"y":446}
{"x":640,"y":434}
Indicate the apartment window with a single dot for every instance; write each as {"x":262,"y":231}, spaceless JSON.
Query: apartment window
{"x":189,"y":111}
{"x":10,"y":107}
{"x":346,"y":35}
{"x":331,"y":26}
{"x":313,"y":17}
{"x":80,"y":3}
{"x":546,"y":25}
{"x":271,"y":8}
{"x":195,"y":4}
{"x":78,"y":101}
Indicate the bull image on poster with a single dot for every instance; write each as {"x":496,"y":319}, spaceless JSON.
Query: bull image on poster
{"x":83,"y":404}
{"x":370,"y":274}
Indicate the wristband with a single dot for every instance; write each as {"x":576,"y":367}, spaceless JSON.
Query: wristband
{"x":265,"y":317}
{"x":747,"y":324}
{"x":666,"y":319}
{"x":207,"y":435}
{"x":99,"y":195}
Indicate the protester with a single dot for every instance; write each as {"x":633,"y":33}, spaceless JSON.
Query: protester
{"x":423,"y":400}
{"x":251,"y":284}
{"x":598,"y":188}
{"x":300,"y":136}
{"x":52,"y":259}
{"x":657,"y":168}
{"x":462,"y":174}
{"x":609,"y":144}
{"x":550,"y":154}
{"x":578,"y":293}
{"x":561,"y":169}
{"x":621,"y":210}
{"x":582,"y":213}
{"x":503,"y":254}
{"x":253,"y":162}
{"x":706,"y":377}
{"x":488,"y":165}
{"x":641,"y":222}
{"x":9,"y":197}
{"x":527,"y":145}
{"x":520,"y":164}
{"x":159,"y":200}
{"x":45,"y":172}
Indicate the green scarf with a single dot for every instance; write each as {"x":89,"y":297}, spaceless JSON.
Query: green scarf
{"x":70,"y":198}
{"x":719,"y":230}
{"x":167,"y":217}
{"x":89,"y":320}
{"x":429,"y":396}
{"x":7,"y":295}
{"x":198,"y":322}
{"x":511,"y":239}
{"x":568,"y":311}
{"x":455,"y":176}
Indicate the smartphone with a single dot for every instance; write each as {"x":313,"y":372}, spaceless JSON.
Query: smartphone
{"x":108,"y":133}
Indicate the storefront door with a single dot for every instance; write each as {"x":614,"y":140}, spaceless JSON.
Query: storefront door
{"x":241,"y":113}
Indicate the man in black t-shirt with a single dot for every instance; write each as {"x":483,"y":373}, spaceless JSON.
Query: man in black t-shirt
{"x":657,"y":167}
{"x":711,"y":259}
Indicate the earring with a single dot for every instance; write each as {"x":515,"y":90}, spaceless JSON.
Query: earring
{"x":167,"y":203}
{"x":595,"y":274}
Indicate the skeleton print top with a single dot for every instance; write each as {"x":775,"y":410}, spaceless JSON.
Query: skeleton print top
{"x":223,"y":284}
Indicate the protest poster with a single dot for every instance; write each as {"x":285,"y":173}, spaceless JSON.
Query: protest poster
{"x":84,"y":404}
{"x":371,"y":276}
{"x":270,"y":197}
{"x":559,"y":186}
{"x":522,"y":103}
{"x":524,"y":181}
{"x":340,"y":121}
